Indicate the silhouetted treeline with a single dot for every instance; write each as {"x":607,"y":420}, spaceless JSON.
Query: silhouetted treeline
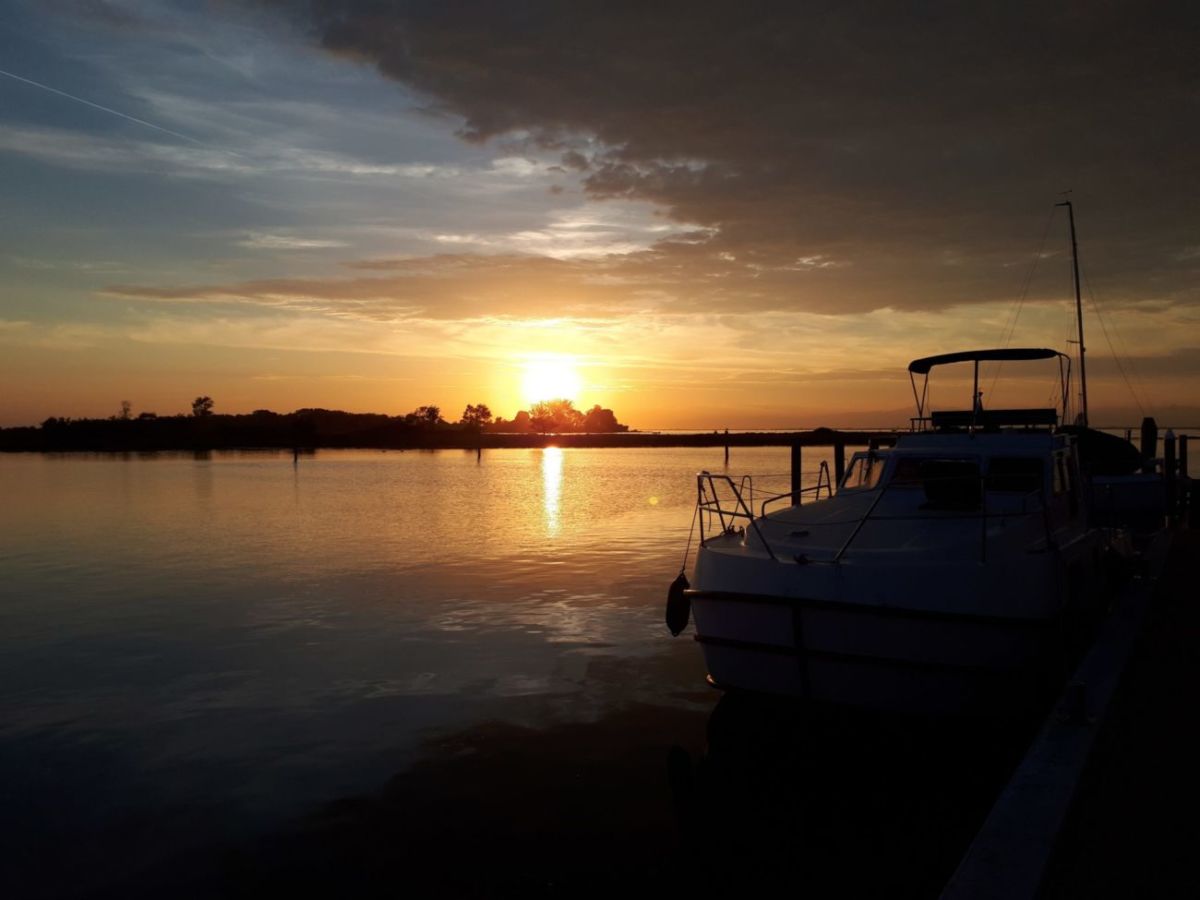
{"x":304,"y":429}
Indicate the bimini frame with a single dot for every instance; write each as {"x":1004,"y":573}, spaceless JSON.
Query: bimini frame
{"x":926,"y":364}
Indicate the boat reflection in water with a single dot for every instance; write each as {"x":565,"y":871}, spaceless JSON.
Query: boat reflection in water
{"x":841,"y":802}
{"x":755,"y":793}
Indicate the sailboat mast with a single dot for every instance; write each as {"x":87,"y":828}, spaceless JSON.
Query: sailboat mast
{"x":1078,"y":312}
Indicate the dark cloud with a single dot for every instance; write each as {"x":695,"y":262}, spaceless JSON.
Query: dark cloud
{"x":916,"y":146}
{"x":439,"y":287}
{"x":673,"y":278}
{"x":1182,"y":362}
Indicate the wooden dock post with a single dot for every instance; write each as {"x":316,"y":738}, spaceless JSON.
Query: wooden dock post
{"x":839,"y":460}
{"x":797,"y":474}
{"x":1169,"y":479}
{"x":1149,"y":443}
{"x":726,"y":448}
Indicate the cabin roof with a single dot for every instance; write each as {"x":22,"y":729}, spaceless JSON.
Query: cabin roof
{"x":982,"y":441}
{"x":923,"y":365}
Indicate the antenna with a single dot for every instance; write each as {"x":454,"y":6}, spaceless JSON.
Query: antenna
{"x":1078,"y":308}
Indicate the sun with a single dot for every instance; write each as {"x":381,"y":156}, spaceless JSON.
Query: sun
{"x":550,"y":377}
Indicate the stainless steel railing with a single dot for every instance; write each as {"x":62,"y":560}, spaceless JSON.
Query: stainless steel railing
{"x":722,"y":516}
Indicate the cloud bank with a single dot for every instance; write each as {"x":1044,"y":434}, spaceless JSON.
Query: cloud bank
{"x":915,"y":148}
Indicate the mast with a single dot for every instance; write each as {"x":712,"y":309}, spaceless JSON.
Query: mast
{"x":1078,"y":310}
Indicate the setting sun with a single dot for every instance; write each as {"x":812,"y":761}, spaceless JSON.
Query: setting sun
{"x":550,"y":377}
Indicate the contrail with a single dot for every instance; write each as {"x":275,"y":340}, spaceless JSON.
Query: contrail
{"x":107,"y":109}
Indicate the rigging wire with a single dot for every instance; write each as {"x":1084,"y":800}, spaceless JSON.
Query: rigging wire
{"x":1112,"y":349}
{"x":1010,"y":327}
{"x":1075,"y":400}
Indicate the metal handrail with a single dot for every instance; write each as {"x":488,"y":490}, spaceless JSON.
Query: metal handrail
{"x":823,"y":481}
{"x":812,"y":489}
{"x":983,"y":515}
{"x":709,"y":502}
{"x":740,"y":510}
{"x":837,"y":557}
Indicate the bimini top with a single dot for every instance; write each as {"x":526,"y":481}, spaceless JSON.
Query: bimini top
{"x":922,"y":366}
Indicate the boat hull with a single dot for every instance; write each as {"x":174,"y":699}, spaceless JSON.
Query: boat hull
{"x":876,"y":657}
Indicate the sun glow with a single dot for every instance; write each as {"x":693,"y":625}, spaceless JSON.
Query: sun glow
{"x":550,"y":377}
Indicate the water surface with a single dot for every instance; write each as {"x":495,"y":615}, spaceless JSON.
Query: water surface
{"x":202,"y":656}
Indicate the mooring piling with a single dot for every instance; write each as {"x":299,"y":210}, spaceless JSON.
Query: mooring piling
{"x":797,"y":474}
{"x":1149,"y":443}
{"x":1169,"y":480}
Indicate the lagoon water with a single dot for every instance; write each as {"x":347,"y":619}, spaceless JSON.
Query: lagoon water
{"x":232,"y":639}
{"x":200,"y":653}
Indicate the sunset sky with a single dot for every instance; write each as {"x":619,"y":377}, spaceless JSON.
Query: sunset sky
{"x":698,"y":214}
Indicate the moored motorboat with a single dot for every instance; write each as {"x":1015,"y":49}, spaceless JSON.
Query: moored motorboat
{"x":953,"y":572}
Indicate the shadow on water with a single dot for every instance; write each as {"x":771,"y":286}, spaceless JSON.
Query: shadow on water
{"x":762,"y":794}
{"x":840,"y":802}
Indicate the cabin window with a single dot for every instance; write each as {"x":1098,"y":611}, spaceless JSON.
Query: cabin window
{"x":1069,"y":475}
{"x":948,"y":483}
{"x":951,"y":484}
{"x":1018,"y":475}
{"x":1064,"y":482}
{"x":909,"y":471}
{"x":1060,"y":476}
{"x":863,"y":472}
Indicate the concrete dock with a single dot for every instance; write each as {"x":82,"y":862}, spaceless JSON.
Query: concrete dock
{"x":1134,"y":829}
{"x":1103,"y":804}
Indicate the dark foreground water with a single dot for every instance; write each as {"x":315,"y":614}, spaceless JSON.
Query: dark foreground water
{"x":392,"y":672}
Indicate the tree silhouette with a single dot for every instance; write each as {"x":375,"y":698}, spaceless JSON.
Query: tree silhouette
{"x":476,"y":416}
{"x":602,"y":420}
{"x":202,"y":406}
{"x":126,"y":412}
{"x":555,"y":415}
{"x":426,"y":415}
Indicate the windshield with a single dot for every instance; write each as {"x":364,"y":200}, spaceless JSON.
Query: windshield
{"x":864,"y":471}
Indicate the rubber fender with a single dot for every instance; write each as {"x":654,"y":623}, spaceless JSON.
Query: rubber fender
{"x":679,"y":606}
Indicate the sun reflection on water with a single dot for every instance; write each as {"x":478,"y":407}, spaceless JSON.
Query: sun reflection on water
{"x":551,"y":486}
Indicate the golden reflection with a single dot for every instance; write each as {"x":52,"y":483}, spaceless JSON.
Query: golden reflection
{"x":551,"y":485}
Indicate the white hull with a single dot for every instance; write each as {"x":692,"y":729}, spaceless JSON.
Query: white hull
{"x":895,"y":598}
{"x":885,"y":659}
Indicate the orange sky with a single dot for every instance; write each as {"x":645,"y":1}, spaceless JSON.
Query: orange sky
{"x":416,"y":209}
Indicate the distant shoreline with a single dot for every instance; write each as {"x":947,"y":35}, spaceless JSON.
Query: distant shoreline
{"x":111,"y":443}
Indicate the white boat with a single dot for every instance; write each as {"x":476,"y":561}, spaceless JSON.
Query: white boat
{"x":949,"y":573}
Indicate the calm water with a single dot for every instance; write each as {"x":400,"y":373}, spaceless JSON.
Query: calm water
{"x":201,"y":652}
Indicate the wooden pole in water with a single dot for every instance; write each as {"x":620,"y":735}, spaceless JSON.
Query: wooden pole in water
{"x":1169,"y":474}
{"x":1183,"y":465}
{"x":797,"y":475}
{"x":727,"y":447}
{"x":839,"y":461}
{"x":1149,"y":443}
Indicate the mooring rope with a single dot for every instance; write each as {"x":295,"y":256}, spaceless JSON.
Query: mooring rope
{"x":688,"y":548}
